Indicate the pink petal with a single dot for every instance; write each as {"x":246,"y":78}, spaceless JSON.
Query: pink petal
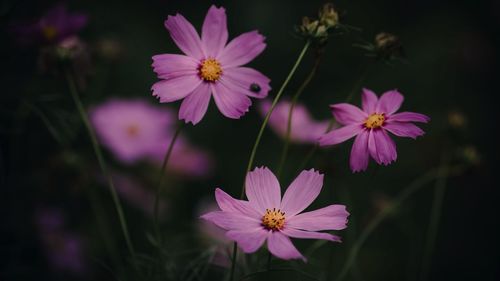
{"x":408,"y":117}
{"x":170,"y":65}
{"x":229,"y":204}
{"x":232,"y":221}
{"x":214,"y":31}
{"x":231,"y":104}
{"x":263,"y":189}
{"x":382,"y":148}
{"x":295,"y":233}
{"x":340,"y":135}
{"x":281,"y":246}
{"x":301,"y":192}
{"x":369,"y":101}
{"x":244,"y":77}
{"x":185,"y":36}
{"x":176,"y":88}
{"x":359,"y":152}
{"x":404,"y":129}
{"x":195,"y":105}
{"x":242,"y":49}
{"x":248,"y":240}
{"x":347,"y":114}
{"x":389,"y":102}
{"x":333,"y":217}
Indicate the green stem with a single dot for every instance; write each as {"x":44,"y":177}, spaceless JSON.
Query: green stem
{"x":269,"y":257}
{"x":295,"y":98}
{"x":160,"y":182}
{"x":259,"y":136}
{"x":102,"y":163}
{"x":437,"y":204}
{"x":405,"y":194}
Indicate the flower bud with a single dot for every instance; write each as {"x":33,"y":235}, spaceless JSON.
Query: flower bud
{"x":328,"y":16}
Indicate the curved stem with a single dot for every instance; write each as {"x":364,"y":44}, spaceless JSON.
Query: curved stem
{"x":407,"y":192}
{"x":295,"y":98}
{"x":102,"y":163}
{"x":160,"y":182}
{"x":259,"y":136}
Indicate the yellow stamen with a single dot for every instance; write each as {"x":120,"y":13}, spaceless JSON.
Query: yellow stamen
{"x":210,"y":70}
{"x":49,"y":32}
{"x":132,"y":131}
{"x":374,"y":121}
{"x":273,"y":219}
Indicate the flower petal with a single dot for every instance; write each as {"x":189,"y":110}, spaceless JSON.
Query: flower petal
{"x":333,"y":217}
{"x":195,"y":105}
{"x":170,"y":65}
{"x":408,"y":117}
{"x":389,"y":102}
{"x":248,"y":240}
{"x":245,"y":77}
{"x":231,"y":221}
{"x":295,"y":233}
{"x":214,"y":31}
{"x":176,"y":88}
{"x":263,"y":189}
{"x":347,"y":114}
{"x":404,"y":129}
{"x":229,"y":204}
{"x":301,"y":192}
{"x":231,"y":104}
{"x":382,"y":148}
{"x":340,"y":135}
{"x":185,"y":36}
{"x":369,"y":101}
{"x":359,"y":153}
{"x":242,"y":49}
{"x":281,"y":246}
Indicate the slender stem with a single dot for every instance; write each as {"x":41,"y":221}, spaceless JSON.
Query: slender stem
{"x":259,"y":136}
{"x":407,"y":192}
{"x":269,"y":257}
{"x":437,"y":205}
{"x":102,"y":163}
{"x":295,"y":98}
{"x":160,"y":182}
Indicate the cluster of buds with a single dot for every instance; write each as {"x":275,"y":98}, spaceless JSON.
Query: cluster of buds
{"x":318,"y":29}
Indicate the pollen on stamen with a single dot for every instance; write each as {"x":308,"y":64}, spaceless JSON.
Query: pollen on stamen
{"x":273,"y":219}
{"x":375,"y":121}
{"x":210,"y":70}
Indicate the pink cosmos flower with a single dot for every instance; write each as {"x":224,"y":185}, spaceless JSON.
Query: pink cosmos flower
{"x":267,"y":216}
{"x":209,"y":68}
{"x":135,"y":130}
{"x":56,"y":25}
{"x":370,"y":126}
{"x":304,"y":129}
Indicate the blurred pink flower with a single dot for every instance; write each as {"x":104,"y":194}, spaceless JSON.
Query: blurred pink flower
{"x":64,"y":249}
{"x":370,"y":126}
{"x":304,"y":129}
{"x":267,"y":216}
{"x":137,"y":195}
{"x":210,"y":67}
{"x":135,"y":130}
{"x":56,"y":25}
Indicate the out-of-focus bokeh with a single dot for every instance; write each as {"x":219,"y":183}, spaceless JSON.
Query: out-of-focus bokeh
{"x":59,"y":222}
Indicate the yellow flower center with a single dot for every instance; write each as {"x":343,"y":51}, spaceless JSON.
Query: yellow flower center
{"x":210,"y":70}
{"x":273,"y":219}
{"x":49,"y":32}
{"x":132,"y":131}
{"x":375,"y":121}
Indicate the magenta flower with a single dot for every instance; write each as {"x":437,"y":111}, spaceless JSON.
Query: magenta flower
{"x":135,"y":130}
{"x":304,"y":129}
{"x":209,"y":68}
{"x":56,"y":25}
{"x":267,"y":216}
{"x":370,"y":126}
